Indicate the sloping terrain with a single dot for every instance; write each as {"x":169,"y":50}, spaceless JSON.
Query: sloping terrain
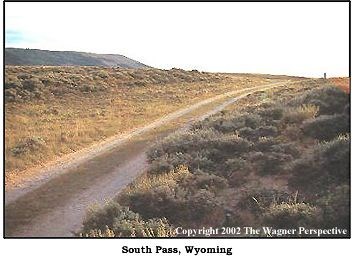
{"x":56,"y":207}
{"x":19,"y":56}
{"x":278,"y":158}
{"x":341,"y":82}
{"x":51,"y":112}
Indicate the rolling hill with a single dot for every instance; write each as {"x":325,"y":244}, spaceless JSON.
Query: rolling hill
{"x":19,"y":56}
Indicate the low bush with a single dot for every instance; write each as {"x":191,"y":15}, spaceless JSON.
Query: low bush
{"x":330,"y":100}
{"x":334,"y":159}
{"x":326,"y":127}
{"x":162,"y":165}
{"x":152,"y":181}
{"x":183,"y":142}
{"x":163,"y":200}
{"x":291,"y":215}
{"x":11,"y":95}
{"x":286,"y":148}
{"x":236,"y":171}
{"x":233,"y":122}
{"x":24,"y":76}
{"x":224,"y":151}
{"x":204,"y":209}
{"x":202,"y":180}
{"x":300,"y":114}
{"x":88,"y":88}
{"x":236,"y":164}
{"x":11,"y":82}
{"x":238,"y":177}
{"x":253,"y":121}
{"x":177,"y":204}
{"x":113,"y":220}
{"x":170,"y":196}
{"x":102,"y":74}
{"x":28,"y":145}
{"x":272,"y":113}
{"x":271,"y":162}
{"x":193,"y":160}
{"x":231,"y":144}
{"x":335,"y":205}
{"x":257,"y":200}
{"x":325,"y":166}
{"x":292,"y":133}
{"x":32,"y":84}
{"x":265,"y":144}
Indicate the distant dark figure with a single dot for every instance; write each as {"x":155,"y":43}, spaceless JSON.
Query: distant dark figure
{"x":325,"y":76}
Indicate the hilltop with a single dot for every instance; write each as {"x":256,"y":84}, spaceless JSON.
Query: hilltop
{"x":20,"y":56}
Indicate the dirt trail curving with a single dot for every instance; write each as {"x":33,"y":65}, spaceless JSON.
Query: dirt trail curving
{"x":54,"y":204}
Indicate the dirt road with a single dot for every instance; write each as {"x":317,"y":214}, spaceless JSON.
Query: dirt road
{"x":54,"y":203}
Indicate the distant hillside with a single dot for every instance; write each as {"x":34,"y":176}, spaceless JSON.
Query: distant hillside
{"x":19,"y":56}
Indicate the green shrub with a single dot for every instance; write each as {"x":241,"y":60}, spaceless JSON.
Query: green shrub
{"x":183,"y":143}
{"x":155,"y":227}
{"x":11,"y":82}
{"x":91,"y":88}
{"x":326,"y":127}
{"x":235,"y":164}
{"x":286,"y":148}
{"x":113,"y":220}
{"x":265,"y":143}
{"x":226,"y":126}
{"x":171,"y":196}
{"x":231,"y":144}
{"x":257,"y":200}
{"x":202,"y":180}
{"x":204,"y":209}
{"x":28,"y":145}
{"x":177,"y":204}
{"x":325,"y":166}
{"x":265,"y":131}
{"x":100,"y":218}
{"x":233,"y":122}
{"x":12,"y":95}
{"x":329,"y":99}
{"x":292,"y":133}
{"x":157,"y":196}
{"x":145,"y":183}
{"x":247,"y":132}
{"x":271,"y":113}
{"x":271,"y":162}
{"x":162,"y":165}
{"x":97,"y":233}
{"x":238,"y":177}
{"x":253,"y":120}
{"x":335,"y":205}
{"x":165,"y":201}
{"x":335,"y":157}
{"x":102,"y":74}
{"x":300,"y":114}
{"x":291,"y":215}
{"x":193,"y":160}
{"x":262,"y":131}
{"x":32,"y":84}
{"x":236,"y":171}
{"x":24,"y":76}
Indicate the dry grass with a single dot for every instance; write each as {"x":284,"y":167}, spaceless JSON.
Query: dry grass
{"x":145,"y":182}
{"x":75,"y":107}
{"x":299,"y":114}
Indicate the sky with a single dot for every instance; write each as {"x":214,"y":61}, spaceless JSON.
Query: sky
{"x":305,"y":39}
